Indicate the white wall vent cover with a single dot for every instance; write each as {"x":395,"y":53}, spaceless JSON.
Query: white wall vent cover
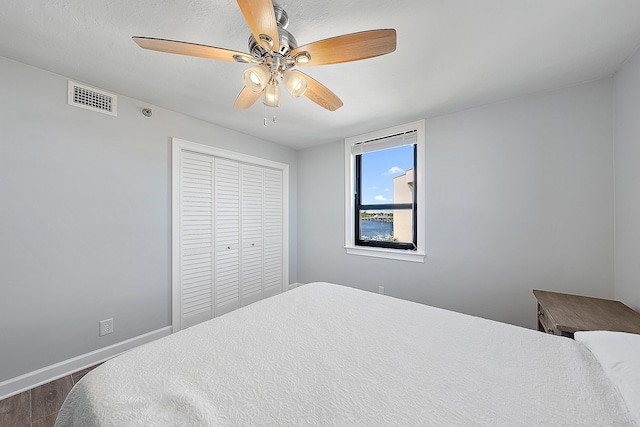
{"x":92,"y":99}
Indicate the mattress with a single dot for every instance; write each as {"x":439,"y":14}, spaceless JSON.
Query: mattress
{"x":324,"y":354}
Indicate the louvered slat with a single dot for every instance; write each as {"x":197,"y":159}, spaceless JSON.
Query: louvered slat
{"x":252,"y":233}
{"x":252,"y":266}
{"x":227,"y":235}
{"x":252,"y":203}
{"x":273,"y":205}
{"x":273,"y":232}
{"x":196,"y":190}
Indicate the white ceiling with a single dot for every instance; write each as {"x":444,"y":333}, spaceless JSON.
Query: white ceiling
{"x":451,"y":55}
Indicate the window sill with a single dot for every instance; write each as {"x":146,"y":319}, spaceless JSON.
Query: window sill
{"x":396,"y":254}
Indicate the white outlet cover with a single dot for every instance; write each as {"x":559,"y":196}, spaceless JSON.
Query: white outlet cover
{"x":106,"y":327}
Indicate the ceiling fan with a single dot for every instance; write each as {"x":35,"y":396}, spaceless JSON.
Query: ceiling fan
{"x":274,"y":52}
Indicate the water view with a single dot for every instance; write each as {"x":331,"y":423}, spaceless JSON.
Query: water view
{"x":376,"y":230}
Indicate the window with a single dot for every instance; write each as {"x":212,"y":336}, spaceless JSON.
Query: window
{"x":385,"y":193}
{"x":385,"y":201}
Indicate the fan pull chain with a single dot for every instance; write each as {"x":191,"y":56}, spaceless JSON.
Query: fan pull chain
{"x":265,"y":116}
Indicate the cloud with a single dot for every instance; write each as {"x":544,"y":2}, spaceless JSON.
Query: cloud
{"x":395,"y":171}
{"x":381,"y":198}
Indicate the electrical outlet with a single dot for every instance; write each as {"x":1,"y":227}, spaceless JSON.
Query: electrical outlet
{"x":381,"y":290}
{"x":106,"y":327}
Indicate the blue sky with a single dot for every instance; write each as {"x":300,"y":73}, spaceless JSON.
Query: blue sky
{"x":378,"y":170}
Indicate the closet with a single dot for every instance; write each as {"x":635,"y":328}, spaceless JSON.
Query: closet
{"x":229,"y":222}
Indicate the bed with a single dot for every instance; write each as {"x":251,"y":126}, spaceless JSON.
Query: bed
{"x":330,"y":355}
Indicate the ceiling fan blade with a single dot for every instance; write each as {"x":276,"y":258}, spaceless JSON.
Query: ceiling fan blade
{"x":322,"y":96}
{"x":261,"y":19}
{"x":349,"y":47}
{"x":246,"y":98}
{"x":192,"y":49}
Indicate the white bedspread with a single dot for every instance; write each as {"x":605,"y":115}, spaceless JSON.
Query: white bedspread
{"x":329,"y":355}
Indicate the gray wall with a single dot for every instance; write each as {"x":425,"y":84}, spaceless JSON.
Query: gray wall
{"x":85,"y":217}
{"x":627,"y":182}
{"x":519,"y":196}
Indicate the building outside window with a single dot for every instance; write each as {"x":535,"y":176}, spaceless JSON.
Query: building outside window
{"x":403,"y":220}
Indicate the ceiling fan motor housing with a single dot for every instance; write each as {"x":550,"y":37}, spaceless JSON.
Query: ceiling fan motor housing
{"x":287,"y":44}
{"x":282,"y":19}
{"x":286,"y":39}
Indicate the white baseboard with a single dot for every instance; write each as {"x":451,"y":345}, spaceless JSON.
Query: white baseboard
{"x":53,"y":372}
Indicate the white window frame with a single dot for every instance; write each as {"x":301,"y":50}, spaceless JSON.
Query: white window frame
{"x":417,"y":255}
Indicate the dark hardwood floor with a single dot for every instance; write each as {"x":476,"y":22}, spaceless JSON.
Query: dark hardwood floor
{"x":39,"y":406}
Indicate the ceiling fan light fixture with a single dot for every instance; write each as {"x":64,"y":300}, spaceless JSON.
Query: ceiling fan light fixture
{"x":256,"y":78}
{"x":271,"y":96}
{"x":295,"y":83}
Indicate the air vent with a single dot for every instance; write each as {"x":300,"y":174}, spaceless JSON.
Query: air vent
{"x":92,"y":99}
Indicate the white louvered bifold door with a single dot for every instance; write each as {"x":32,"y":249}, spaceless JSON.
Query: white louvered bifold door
{"x":273,"y":232}
{"x":196,"y":242}
{"x":227,"y":236}
{"x":252,"y":245}
{"x":228,"y":232}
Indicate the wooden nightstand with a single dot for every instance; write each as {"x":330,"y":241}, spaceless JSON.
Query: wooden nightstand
{"x":564,"y":314}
